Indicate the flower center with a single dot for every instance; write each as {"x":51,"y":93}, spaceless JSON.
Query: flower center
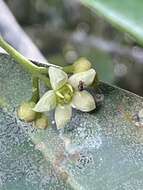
{"x":64,"y":94}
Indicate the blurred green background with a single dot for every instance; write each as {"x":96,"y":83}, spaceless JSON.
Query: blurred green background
{"x":65,"y":30}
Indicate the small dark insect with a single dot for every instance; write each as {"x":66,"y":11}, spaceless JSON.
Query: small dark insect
{"x":81,"y":85}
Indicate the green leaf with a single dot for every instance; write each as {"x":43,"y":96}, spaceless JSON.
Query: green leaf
{"x":126,"y":15}
{"x":98,"y":150}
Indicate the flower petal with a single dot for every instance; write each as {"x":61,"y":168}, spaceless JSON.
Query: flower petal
{"x":63,"y":115}
{"x":86,"y":77}
{"x":57,"y":77}
{"x":83,"y":101}
{"x":47,"y":102}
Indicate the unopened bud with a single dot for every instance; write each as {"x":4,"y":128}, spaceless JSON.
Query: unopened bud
{"x":25,"y":111}
{"x":41,"y":122}
{"x":81,"y":65}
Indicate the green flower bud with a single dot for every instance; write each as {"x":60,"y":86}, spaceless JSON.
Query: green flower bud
{"x":41,"y":122}
{"x":25,"y":111}
{"x":81,"y":65}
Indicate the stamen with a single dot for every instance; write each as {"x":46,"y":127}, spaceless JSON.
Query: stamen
{"x":60,"y":95}
{"x":70,"y":87}
{"x":64,"y":94}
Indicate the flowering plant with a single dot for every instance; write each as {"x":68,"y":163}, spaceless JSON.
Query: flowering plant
{"x":67,"y":93}
{"x":67,"y":89}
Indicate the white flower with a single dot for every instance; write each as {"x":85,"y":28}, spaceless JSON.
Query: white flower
{"x":67,"y":93}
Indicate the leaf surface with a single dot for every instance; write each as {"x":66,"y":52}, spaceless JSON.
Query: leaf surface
{"x":98,"y":150}
{"x":125,"y":15}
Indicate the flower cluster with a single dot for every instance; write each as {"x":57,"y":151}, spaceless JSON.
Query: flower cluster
{"x":67,"y":93}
